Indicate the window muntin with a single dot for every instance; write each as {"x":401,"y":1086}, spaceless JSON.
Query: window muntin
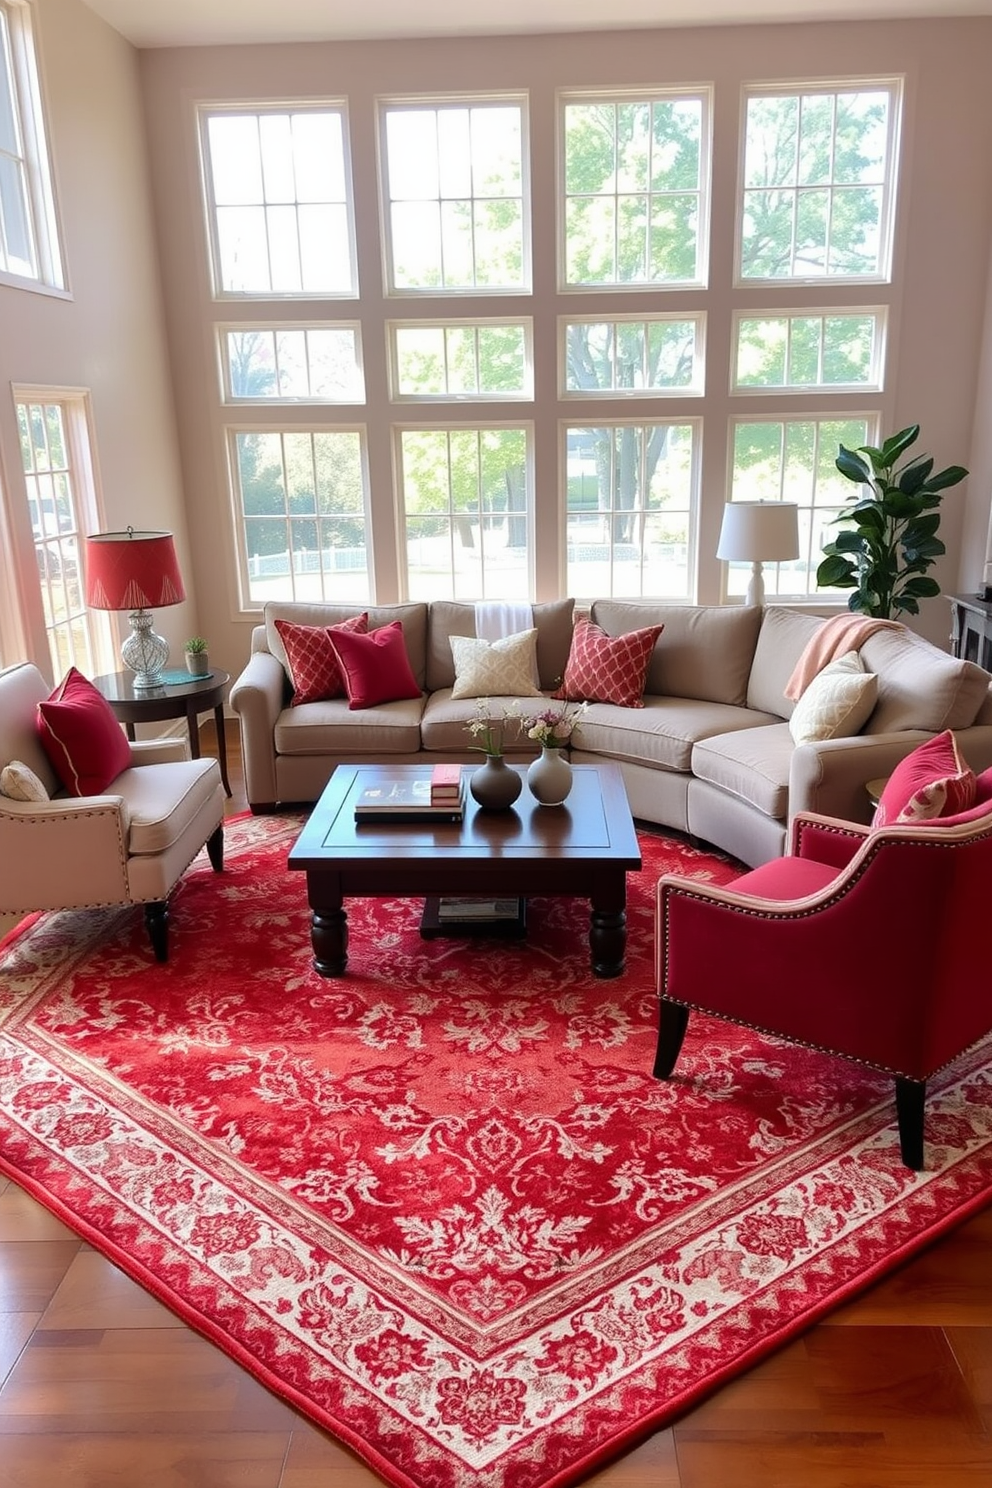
{"x":467,"y":360}
{"x":635,"y":174}
{"x":302,"y":513}
{"x":793,"y":460}
{"x":455,"y":205}
{"x":466,"y":512}
{"x":809,"y":350}
{"x":279,"y":201}
{"x":819,"y":180}
{"x":630,"y":509}
{"x":292,"y":364}
{"x":58,"y":482}
{"x":29,"y":246}
{"x":632,"y":356}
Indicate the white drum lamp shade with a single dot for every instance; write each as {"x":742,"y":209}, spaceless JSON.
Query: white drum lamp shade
{"x":758,"y":532}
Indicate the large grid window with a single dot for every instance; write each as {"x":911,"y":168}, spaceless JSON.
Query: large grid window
{"x":29,"y":247}
{"x":58,"y":480}
{"x":819,"y":173}
{"x":809,"y":351}
{"x":794,"y":460}
{"x":463,"y":360}
{"x":292,"y":364}
{"x":633,"y":356}
{"x":303,"y":514}
{"x":455,"y":202}
{"x":636,"y":172}
{"x":630,"y":510}
{"x":466,"y":513}
{"x":279,"y":202}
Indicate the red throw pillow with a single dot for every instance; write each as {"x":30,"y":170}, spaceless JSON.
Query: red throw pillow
{"x":931,"y":782}
{"x":313,"y":661}
{"x":376,"y":667}
{"x":608,"y":669}
{"x":81,"y":736}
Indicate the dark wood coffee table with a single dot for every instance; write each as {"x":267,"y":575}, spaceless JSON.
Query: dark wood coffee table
{"x":585,"y":848}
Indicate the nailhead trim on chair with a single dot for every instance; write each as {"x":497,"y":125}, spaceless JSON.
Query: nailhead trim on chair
{"x":39,"y":821}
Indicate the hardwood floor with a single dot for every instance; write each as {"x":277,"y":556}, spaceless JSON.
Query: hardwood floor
{"x":102,"y":1387}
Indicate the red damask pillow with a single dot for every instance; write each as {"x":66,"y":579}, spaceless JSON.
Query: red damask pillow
{"x":376,"y":667}
{"x":932,"y":782}
{"x":608,"y":669}
{"x":313,"y":661}
{"x":81,"y":736}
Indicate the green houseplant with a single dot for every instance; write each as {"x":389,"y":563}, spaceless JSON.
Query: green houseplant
{"x":197,"y":660}
{"x":890,"y":533}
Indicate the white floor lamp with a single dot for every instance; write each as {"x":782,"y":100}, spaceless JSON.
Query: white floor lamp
{"x":758,"y":532}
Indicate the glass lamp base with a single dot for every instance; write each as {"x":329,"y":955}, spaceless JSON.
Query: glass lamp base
{"x":143,"y":651}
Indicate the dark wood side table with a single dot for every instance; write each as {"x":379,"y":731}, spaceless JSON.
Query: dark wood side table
{"x":133,"y":705}
{"x":971,"y":628}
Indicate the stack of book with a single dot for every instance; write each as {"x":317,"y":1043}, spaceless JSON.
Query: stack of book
{"x":446,"y":785}
{"x":407,"y":800}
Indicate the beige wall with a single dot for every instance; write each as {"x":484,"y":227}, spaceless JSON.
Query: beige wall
{"x":107,"y":335}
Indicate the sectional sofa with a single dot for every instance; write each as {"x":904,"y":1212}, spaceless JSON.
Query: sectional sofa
{"x":709,"y":754}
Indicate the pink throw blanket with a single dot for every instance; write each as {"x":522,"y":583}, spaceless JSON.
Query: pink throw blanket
{"x":840,"y":634}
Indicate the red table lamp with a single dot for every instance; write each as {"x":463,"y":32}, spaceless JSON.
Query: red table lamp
{"x":138,"y":572}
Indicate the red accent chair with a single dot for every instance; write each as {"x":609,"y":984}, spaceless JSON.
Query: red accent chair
{"x":871,"y":944}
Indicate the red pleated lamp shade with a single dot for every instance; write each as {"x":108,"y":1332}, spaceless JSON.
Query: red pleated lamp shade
{"x":132,"y":571}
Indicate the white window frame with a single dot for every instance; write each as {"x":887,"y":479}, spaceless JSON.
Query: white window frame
{"x":880,"y":314}
{"x":228,"y":328}
{"x":19,"y":59}
{"x":886,"y":228}
{"x":695,"y":388}
{"x":439,"y":102}
{"x":474,"y":323}
{"x":570,"y":97}
{"x":257,"y":108}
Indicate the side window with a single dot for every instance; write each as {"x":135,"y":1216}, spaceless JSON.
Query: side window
{"x":29,"y":246}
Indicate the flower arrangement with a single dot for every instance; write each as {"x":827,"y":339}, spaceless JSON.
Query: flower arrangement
{"x":555,"y":726}
{"x":491,"y":728}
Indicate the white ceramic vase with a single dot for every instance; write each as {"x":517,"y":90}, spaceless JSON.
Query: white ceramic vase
{"x":549,"y":777}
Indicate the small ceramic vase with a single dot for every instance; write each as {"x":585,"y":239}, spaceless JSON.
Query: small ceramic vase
{"x":549,"y":777}
{"x":494,"y":785}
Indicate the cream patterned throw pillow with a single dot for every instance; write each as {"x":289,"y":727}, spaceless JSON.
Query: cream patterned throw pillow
{"x":837,"y":703}
{"x":18,"y":782}
{"x":503,"y":668}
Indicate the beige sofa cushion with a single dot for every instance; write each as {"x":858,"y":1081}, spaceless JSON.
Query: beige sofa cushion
{"x":413,"y":618}
{"x":444,"y":728}
{"x":752,"y":764}
{"x":920,"y":687}
{"x":782,"y":639}
{"x":704,"y":651}
{"x":333,"y":728}
{"x":662,"y":733}
{"x":553,"y":623}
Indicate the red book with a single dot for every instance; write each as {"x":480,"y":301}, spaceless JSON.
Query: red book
{"x":446,"y":784}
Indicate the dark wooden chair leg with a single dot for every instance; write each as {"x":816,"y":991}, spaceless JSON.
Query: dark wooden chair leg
{"x":157,"y":922}
{"x":673,"y":1020}
{"x":910,"y":1098}
{"x":215,"y":849}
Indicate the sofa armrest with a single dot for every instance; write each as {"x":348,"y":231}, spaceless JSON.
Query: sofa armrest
{"x":829,"y":778}
{"x":159,"y":751}
{"x":257,"y":698}
{"x":63,"y":854}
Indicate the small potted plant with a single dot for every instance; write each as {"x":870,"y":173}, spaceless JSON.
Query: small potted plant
{"x":197,"y":660}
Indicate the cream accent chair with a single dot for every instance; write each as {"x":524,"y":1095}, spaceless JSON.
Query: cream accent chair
{"x":129,"y":845}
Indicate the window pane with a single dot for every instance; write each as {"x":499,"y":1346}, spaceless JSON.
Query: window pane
{"x":484,"y":360}
{"x":455,"y":196}
{"x":28,"y":245}
{"x":818,"y":184}
{"x":633,"y":172}
{"x":657,"y":354}
{"x":809,"y":350}
{"x":466,"y":505}
{"x":304,"y":515}
{"x":630,"y":509}
{"x":281,"y":215}
{"x":312,"y":364}
{"x":794,"y":460}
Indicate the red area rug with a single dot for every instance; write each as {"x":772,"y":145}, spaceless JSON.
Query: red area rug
{"x":441,"y":1205}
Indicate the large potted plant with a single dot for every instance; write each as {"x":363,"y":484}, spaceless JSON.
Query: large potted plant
{"x":889,"y":536}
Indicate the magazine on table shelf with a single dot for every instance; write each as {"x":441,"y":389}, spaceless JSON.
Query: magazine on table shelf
{"x":411,"y":799}
{"x":478,"y":909}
